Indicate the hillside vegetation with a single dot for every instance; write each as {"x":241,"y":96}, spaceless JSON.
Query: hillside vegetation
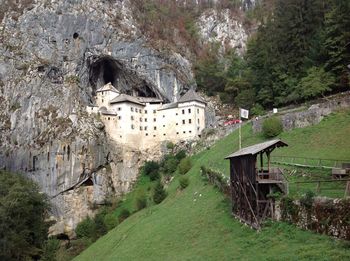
{"x":195,"y":223}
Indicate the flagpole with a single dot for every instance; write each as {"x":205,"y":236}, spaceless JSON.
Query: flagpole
{"x":239,"y":132}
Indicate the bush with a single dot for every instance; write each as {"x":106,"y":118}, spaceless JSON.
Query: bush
{"x":150,"y":168}
{"x":86,"y":228}
{"x":50,"y":248}
{"x":110,"y":221}
{"x":124,"y":214}
{"x":180,"y":155}
{"x":257,"y":110}
{"x":159,"y":193}
{"x":184,"y":182}
{"x":141,"y":201}
{"x":170,"y":165}
{"x":272,"y":127}
{"x":185,"y":165}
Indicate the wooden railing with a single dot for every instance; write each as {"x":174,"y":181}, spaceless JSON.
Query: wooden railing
{"x":308,"y":162}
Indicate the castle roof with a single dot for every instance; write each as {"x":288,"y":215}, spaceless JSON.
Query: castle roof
{"x":107,"y":87}
{"x":191,"y":95}
{"x":168,"y":106}
{"x":126,"y":98}
{"x":149,"y":100}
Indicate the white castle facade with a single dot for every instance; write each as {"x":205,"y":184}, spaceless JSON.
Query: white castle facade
{"x":144,"y":122}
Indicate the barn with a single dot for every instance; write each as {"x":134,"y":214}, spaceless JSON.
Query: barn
{"x":253,"y":182}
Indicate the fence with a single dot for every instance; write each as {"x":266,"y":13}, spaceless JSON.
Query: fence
{"x":308,"y":162}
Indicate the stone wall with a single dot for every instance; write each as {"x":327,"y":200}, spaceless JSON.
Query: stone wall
{"x":313,"y":115}
{"x":322,"y":215}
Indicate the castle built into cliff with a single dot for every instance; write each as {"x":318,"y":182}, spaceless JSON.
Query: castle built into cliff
{"x":144,"y":122}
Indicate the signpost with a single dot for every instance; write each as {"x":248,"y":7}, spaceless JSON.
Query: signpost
{"x":245,"y":115}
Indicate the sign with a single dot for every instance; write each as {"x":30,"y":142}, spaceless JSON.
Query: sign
{"x":275,"y":110}
{"x":244,"y":113}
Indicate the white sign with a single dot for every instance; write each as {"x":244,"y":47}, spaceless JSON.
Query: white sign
{"x":244,"y":113}
{"x":275,"y":110}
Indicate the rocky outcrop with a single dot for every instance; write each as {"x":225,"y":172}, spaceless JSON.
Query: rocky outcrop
{"x":53,"y":57}
{"x":223,"y":27}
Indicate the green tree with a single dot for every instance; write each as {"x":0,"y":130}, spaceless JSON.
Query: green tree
{"x":22,"y":217}
{"x":159,"y":193}
{"x":316,"y":82}
{"x":185,"y":165}
{"x":337,"y":41}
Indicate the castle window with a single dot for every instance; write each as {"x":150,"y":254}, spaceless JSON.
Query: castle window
{"x":154,"y":111}
{"x":155,"y":128}
{"x":189,"y":121}
{"x":109,"y":118}
{"x":145,"y":127}
{"x":183,"y":122}
{"x":132,"y":126}
{"x":197,"y":128}
{"x":146,"y":134}
{"x":197,"y":110}
{"x":154,"y":119}
{"x":102,"y":100}
{"x":183,"y":111}
{"x":132,"y":118}
{"x":140,"y":128}
{"x":131,"y":108}
{"x":177,"y":123}
{"x":163,"y":116}
{"x":146,"y":111}
{"x":177,"y":133}
{"x":145,"y":119}
{"x":140,"y":110}
{"x":163,"y":126}
{"x":136,"y":110}
{"x":198,"y":121}
{"x":176,"y":114}
{"x":164,"y":134}
{"x":190,"y":131}
{"x":184,"y":131}
{"x":154,"y":136}
{"x":119,"y":117}
{"x":189,"y":110}
{"x":119,"y":108}
{"x":140,"y":119}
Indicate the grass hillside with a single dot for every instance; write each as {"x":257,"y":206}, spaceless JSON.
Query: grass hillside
{"x":195,"y":224}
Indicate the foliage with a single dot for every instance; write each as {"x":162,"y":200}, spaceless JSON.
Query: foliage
{"x":151,"y":169}
{"x":86,"y":228}
{"x":50,"y":248}
{"x":170,"y":164}
{"x":141,"y":201}
{"x":124,"y":214}
{"x":184,"y":182}
{"x":22,"y":217}
{"x":257,"y":110}
{"x":110,"y":221}
{"x":185,"y":165}
{"x":316,"y":83}
{"x":159,"y":193}
{"x":307,"y":200}
{"x":272,"y":127}
{"x":180,"y":155}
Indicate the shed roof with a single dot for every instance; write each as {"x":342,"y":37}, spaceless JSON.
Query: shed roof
{"x":126,"y":98}
{"x":191,"y":95}
{"x":252,"y":150}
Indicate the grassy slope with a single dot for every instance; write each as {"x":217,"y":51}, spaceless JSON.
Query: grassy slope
{"x":195,"y":224}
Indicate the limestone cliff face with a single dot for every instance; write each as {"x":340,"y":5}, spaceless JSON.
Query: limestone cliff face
{"x":53,"y":56}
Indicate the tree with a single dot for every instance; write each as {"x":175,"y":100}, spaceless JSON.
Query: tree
{"x":337,"y":40}
{"x":159,"y":193}
{"x":22,"y":217}
{"x":316,"y":82}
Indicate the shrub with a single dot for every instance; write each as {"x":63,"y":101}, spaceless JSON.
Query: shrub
{"x":185,"y":165}
{"x":154,"y":175}
{"x":257,"y":110}
{"x":170,"y":146}
{"x":170,"y":165}
{"x":50,"y":248}
{"x":180,"y":155}
{"x":141,"y":201}
{"x":110,"y":221}
{"x":124,"y":214}
{"x":150,"y":168}
{"x":184,"y":182}
{"x":272,"y":127}
{"x":86,"y":228}
{"x":159,"y":193}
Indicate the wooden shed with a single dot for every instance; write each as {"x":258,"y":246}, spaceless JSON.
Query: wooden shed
{"x":252,"y":183}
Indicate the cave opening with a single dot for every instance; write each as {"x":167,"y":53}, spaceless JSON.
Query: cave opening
{"x":75,"y":35}
{"x":103,"y":71}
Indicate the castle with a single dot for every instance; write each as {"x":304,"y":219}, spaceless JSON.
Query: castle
{"x":144,"y":122}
